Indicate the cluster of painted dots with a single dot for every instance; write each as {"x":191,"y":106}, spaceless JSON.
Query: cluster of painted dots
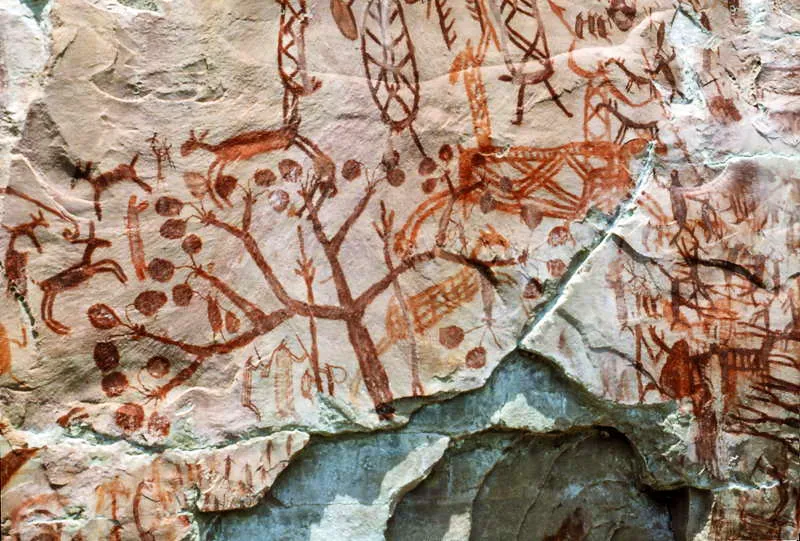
{"x":452,"y":336}
{"x":129,"y":416}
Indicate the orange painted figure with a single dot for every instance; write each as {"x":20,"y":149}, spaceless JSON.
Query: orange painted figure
{"x":281,"y":367}
{"x":523,"y":180}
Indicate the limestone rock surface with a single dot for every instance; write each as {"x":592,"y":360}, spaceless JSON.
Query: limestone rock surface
{"x":400,"y":269}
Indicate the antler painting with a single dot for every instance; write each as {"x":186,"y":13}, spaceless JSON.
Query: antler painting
{"x":229,"y":233}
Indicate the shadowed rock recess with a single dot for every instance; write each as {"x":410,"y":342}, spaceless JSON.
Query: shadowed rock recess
{"x":399,"y":269}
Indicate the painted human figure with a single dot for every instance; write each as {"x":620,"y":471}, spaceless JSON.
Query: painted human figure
{"x":280,"y":366}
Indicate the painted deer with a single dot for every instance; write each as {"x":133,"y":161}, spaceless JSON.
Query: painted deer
{"x":77,"y":274}
{"x":601,"y":110}
{"x":102,"y":182}
{"x":245,"y":146}
{"x":297,"y":83}
{"x":239,"y":147}
{"x":16,"y":261}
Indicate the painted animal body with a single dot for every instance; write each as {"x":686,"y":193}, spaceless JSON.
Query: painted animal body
{"x":516,"y":178}
{"x":243,"y":146}
{"x":602,"y":103}
{"x":250,"y":144}
{"x":102,"y":182}
{"x":15,"y":261}
{"x":239,"y":147}
{"x":72,"y":277}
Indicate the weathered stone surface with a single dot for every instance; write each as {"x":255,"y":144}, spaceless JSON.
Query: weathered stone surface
{"x":366,"y":269}
{"x":92,"y":483}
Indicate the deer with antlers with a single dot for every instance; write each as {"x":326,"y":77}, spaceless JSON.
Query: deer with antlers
{"x":102,"y":182}
{"x":75,"y":275}
{"x":601,"y":104}
{"x":16,"y":261}
{"x":239,"y":147}
{"x":297,"y":83}
{"x":245,"y":146}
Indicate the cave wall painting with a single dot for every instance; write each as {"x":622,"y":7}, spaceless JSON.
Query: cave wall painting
{"x":382,"y":224}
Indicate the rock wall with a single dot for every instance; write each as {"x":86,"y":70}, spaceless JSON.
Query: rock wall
{"x":392,"y":269}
